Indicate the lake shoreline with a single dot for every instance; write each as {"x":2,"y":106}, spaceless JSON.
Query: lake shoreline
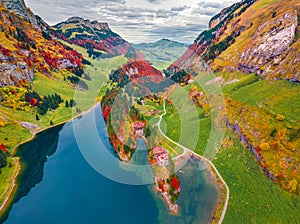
{"x":8,"y":201}
{"x":213,"y":177}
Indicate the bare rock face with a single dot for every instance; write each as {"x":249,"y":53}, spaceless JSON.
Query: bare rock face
{"x":33,"y":128}
{"x":19,"y":8}
{"x":269,"y":45}
{"x":16,"y":6}
{"x":100,"y":26}
{"x":218,"y":18}
{"x":13,"y":73}
{"x":94,"y":24}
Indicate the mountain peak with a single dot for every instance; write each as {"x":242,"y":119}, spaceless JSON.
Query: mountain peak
{"x":74,"y":19}
{"x":92,"y":35}
{"x":85,"y":22}
{"x":161,"y":43}
{"x":16,"y":6}
{"x":19,"y":8}
{"x":165,"y":39}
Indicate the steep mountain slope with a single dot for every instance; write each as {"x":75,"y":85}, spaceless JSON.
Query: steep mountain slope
{"x":25,"y":49}
{"x":209,"y":43}
{"x":97,"y":37}
{"x":37,"y":73}
{"x":161,"y":53}
{"x":252,"y":36}
{"x":19,"y":8}
{"x":260,"y":37}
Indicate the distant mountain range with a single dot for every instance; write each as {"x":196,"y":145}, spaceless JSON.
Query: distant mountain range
{"x":162,"y":43}
{"x":162,"y":52}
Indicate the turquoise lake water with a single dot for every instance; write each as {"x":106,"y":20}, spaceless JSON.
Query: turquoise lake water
{"x":59,"y":185}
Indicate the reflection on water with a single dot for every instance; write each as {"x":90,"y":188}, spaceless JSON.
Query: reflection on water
{"x":198,"y":199}
{"x":34,"y":155}
{"x":59,"y":186}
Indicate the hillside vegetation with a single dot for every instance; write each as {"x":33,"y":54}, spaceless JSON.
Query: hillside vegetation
{"x":161,"y":53}
{"x":43,"y":82}
{"x":251,"y":36}
{"x":96,"y":37}
{"x":253,"y":48}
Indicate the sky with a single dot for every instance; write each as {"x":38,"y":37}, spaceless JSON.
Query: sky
{"x":137,"y":21}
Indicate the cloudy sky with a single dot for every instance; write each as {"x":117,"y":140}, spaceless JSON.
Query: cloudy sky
{"x":137,"y":20}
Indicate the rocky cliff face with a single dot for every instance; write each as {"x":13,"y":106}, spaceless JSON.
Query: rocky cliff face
{"x":19,"y":8}
{"x":217,"y":19}
{"x":211,"y":43}
{"x":13,"y":73}
{"x":252,"y":36}
{"x":85,"y":23}
{"x":16,"y":6}
{"x":270,"y":45}
{"x":25,"y":49}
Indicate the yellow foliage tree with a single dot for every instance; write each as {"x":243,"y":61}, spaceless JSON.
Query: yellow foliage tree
{"x":280,"y":117}
{"x":293,"y":185}
{"x":264,"y":146}
{"x":2,"y":122}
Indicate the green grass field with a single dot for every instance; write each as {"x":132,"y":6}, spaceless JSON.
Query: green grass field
{"x":253,"y":197}
{"x":244,"y":80}
{"x":160,"y":65}
{"x":278,"y":97}
{"x":13,"y":133}
{"x":262,"y":4}
{"x":8,"y":174}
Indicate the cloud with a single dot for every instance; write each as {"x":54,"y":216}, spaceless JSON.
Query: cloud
{"x":205,"y":11}
{"x":155,"y":1}
{"x":136,"y":20}
{"x":179,"y":8}
{"x":210,"y":8}
{"x":215,"y":5}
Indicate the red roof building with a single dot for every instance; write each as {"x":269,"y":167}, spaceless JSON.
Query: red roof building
{"x":160,"y":155}
{"x":138,"y":125}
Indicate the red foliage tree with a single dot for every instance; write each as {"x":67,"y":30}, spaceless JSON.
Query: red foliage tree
{"x":175,"y":183}
{"x":3,"y":148}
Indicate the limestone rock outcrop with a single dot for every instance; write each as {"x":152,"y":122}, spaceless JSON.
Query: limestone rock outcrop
{"x":19,"y":8}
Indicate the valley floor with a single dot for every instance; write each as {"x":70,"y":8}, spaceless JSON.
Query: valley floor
{"x":253,"y":197}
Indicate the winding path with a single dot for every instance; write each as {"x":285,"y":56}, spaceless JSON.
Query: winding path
{"x":187,"y":150}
